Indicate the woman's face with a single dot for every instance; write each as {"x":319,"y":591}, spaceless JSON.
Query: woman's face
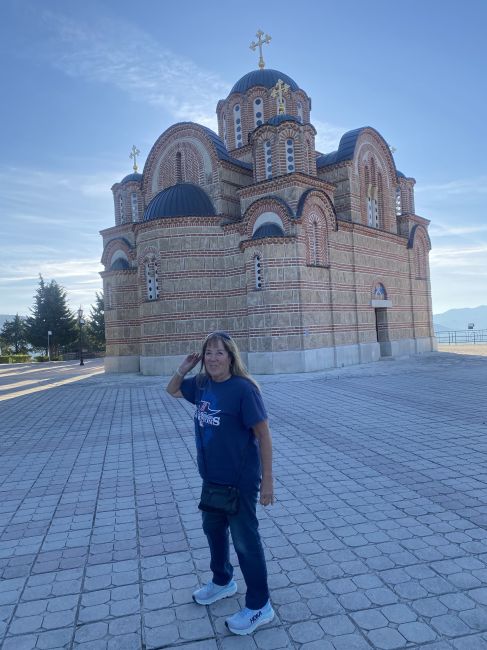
{"x":217,"y":361}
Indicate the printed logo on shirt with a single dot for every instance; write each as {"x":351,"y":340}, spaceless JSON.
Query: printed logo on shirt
{"x":207,"y":415}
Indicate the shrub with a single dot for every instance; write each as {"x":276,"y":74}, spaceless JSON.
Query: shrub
{"x":4,"y":359}
{"x":41,"y":357}
{"x":19,"y":358}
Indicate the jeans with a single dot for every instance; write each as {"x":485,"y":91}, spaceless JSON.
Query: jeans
{"x":244,"y":528}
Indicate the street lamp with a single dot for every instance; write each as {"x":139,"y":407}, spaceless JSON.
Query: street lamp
{"x":81,"y":322}
{"x":49,"y":334}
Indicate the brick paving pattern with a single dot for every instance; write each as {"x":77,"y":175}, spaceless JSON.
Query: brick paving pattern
{"x":378,"y":538}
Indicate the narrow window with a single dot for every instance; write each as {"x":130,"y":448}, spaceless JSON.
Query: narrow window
{"x":179,"y":168}
{"x":398,"y":202}
{"x":120,"y":207}
{"x":314,"y":244}
{"x":299,"y":107}
{"x":135,"y":207}
{"x":152,"y":280}
{"x":237,"y":118}
{"x":268,"y":158}
{"x":289,"y":148}
{"x":225,"y":140}
{"x":109,"y":300}
{"x":258,"y":272}
{"x":258,"y":111}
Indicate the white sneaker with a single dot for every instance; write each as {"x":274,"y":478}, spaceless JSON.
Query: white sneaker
{"x":211,"y":592}
{"x":247,"y":620}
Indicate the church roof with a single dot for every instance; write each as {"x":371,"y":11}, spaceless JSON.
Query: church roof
{"x":268,"y":230}
{"x":181,"y":200}
{"x":132,"y":177}
{"x":345,"y":149}
{"x":266,"y":77}
{"x":278,"y":119}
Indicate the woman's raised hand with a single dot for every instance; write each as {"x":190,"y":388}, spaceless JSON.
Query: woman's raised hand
{"x":190,"y":362}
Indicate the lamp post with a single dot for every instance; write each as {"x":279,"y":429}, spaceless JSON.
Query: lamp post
{"x":49,"y":334}
{"x":81,"y":322}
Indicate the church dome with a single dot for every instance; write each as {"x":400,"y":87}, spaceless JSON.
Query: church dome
{"x":181,"y":200}
{"x":132,"y":177}
{"x":266,"y":77}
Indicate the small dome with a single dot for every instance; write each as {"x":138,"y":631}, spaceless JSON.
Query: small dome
{"x":132,"y":177}
{"x":268,"y":230}
{"x":266,"y":77}
{"x":279,"y":119}
{"x":120,"y":265}
{"x":181,"y":200}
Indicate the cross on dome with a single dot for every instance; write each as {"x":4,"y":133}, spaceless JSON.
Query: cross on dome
{"x":134,"y":153}
{"x":260,"y":42}
{"x":278,"y":91}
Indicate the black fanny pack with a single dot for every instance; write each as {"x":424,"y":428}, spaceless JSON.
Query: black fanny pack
{"x":224,"y":499}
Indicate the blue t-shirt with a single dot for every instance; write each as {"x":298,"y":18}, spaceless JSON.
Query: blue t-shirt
{"x":226,"y":411}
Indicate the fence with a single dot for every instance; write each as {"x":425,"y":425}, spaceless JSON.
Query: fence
{"x":462,"y":336}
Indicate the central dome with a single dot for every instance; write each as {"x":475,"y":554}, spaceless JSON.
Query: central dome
{"x":266,"y":77}
{"x":181,"y":200}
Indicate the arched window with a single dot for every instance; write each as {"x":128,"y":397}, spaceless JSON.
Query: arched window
{"x":152,"y":280}
{"x":289,"y":151}
{"x":313,"y":253}
{"x":299,"y":108}
{"x":268,"y":158}
{"x":398,"y":202}
{"x":237,"y":119}
{"x":258,"y":272}
{"x":135,"y":206}
{"x":372,"y":207}
{"x":120,"y":208}
{"x":258,"y":111}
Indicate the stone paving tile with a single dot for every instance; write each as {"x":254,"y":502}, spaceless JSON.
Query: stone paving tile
{"x":378,"y":538}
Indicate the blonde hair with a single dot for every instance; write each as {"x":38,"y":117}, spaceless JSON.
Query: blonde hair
{"x":237,"y":366}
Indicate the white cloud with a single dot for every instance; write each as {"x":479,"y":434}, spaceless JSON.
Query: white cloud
{"x":444,"y":230}
{"x":116,"y":53}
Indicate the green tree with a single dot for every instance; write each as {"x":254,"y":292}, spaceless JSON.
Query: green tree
{"x":50,"y":313}
{"x":14,"y":335}
{"x":96,"y":323}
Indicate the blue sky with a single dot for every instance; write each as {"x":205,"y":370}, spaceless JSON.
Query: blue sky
{"x":83,"y":82}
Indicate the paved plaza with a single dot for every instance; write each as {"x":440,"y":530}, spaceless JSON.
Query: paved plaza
{"x":378,"y":538}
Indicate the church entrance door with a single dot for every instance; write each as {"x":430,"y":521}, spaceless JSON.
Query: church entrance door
{"x":382,"y":331}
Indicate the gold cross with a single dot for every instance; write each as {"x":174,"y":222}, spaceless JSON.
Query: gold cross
{"x":278,"y":91}
{"x":134,"y":153}
{"x":260,"y":42}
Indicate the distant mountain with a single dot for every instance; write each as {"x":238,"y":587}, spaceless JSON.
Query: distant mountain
{"x":458,"y":319}
{"x":4,"y":317}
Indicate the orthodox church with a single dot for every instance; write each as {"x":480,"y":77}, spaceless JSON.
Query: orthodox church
{"x":309,"y":260}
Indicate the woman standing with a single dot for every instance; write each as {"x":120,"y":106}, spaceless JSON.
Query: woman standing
{"x":234,"y":448}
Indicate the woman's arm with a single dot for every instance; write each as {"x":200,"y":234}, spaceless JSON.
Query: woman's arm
{"x":263,"y":435}
{"x":188,"y":364}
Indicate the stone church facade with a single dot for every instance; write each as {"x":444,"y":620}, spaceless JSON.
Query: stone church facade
{"x":309,"y":260}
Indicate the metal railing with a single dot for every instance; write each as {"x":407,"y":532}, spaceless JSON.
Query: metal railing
{"x":462,"y":336}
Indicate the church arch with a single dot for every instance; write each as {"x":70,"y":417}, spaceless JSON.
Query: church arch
{"x":420,"y":242}
{"x":266,"y":207}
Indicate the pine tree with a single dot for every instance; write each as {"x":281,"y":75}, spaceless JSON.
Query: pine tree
{"x":50,"y":313}
{"x":96,"y":323}
{"x":14,"y":334}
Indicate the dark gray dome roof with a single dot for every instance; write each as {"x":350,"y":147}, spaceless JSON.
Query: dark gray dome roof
{"x":181,"y":200}
{"x":268,"y":230}
{"x":132,"y":177}
{"x":266,"y":77}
